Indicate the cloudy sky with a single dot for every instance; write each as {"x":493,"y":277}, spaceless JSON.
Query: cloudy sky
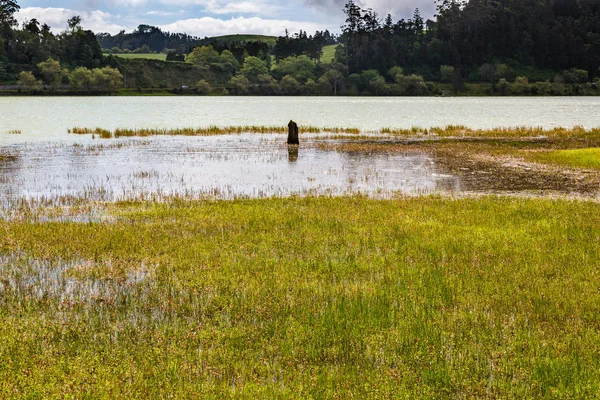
{"x":211,"y":17}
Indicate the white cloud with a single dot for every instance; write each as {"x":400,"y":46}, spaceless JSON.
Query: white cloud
{"x":224,"y":7}
{"x":159,"y":13}
{"x":208,"y":26}
{"x":244,"y":7}
{"x":398,"y":8}
{"x":182,"y":2}
{"x":98,"y":21}
{"x":129,"y":3}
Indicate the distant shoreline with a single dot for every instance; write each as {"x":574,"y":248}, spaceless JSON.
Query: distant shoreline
{"x":472,"y":90}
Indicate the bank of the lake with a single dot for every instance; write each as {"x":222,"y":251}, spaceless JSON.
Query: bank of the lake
{"x":437,"y":89}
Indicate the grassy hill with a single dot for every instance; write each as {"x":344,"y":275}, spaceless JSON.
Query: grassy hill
{"x":149,"y":56}
{"x":328,"y":53}
{"x":270,"y":40}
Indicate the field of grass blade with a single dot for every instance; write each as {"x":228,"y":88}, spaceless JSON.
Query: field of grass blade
{"x":305,"y":297}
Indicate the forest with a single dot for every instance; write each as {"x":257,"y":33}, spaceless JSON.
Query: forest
{"x":485,"y":47}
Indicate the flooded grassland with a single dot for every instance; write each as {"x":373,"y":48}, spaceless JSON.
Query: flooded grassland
{"x":378,"y":263}
{"x":325,"y":297}
{"x":216,"y":164}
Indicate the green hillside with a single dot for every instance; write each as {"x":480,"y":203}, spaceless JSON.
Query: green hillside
{"x":270,"y":40}
{"x":148,"y":56}
{"x":328,"y":53}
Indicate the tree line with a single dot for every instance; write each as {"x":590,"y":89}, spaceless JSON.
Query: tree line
{"x":532,"y":38}
{"x":512,"y":46}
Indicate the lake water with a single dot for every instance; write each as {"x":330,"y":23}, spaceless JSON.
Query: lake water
{"x":46,"y":162}
{"x":227,"y":166}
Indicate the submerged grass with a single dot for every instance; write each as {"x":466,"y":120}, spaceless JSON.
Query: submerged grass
{"x":305,"y":297}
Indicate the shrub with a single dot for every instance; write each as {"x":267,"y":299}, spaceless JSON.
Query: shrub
{"x":203,"y":87}
{"x":27,"y":79}
{"x":575,"y":75}
{"x":446,"y":73}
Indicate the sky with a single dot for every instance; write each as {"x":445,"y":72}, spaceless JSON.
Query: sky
{"x":211,"y":17}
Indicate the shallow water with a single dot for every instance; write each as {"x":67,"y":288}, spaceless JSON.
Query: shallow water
{"x":46,"y":163}
{"x":228,"y":166}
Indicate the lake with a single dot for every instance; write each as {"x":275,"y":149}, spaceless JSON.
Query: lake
{"x":44,"y":162}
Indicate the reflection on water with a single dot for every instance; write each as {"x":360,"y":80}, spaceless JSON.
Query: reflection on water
{"x":293,"y":153}
{"x":219,"y":166}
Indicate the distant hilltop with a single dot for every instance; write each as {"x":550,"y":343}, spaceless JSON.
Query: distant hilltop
{"x":237,"y":38}
{"x":151,"y":39}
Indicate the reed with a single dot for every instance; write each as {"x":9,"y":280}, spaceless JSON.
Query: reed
{"x":450,"y":131}
{"x":103,"y":133}
{"x":14,"y":132}
{"x":207,"y":131}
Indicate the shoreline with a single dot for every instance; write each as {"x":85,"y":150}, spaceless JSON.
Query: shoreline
{"x":472,"y":90}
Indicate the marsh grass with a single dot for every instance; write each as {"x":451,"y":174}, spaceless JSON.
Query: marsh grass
{"x":460,"y":131}
{"x":206,"y":131}
{"x":450,"y":131}
{"x":14,"y":132}
{"x":103,"y":133}
{"x":305,"y":298}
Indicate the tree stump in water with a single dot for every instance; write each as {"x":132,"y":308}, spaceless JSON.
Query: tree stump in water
{"x":293,"y":133}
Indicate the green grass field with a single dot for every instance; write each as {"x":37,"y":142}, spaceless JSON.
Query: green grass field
{"x":160,"y":56}
{"x":304,"y":298}
{"x":270,"y":40}
{"x":328,"y":53}
{"x":578,"y":158}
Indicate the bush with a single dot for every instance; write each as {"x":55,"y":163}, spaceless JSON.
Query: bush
{"x":309,"y":87}
{"x":575,"y":75}
{"x":203,"y":87}
{"x":487,"y":72}
{"x":558,"y":87}
{"x":239,"y":85}
{"x":172,"y":56}
{"x":521,"y":85}
{"x":51,"y":72}
{"x":29,"y":81}
{"x":107,"y":78}
{"x":289,"y":85}
{"x":446,"y":73}
{"x":81,"y":78}
{"x":373,"y":82}
{"x":543,"y":88}
{"x":503,"y":86}
{"x":412,"y":85}
{"x":396,"y":73}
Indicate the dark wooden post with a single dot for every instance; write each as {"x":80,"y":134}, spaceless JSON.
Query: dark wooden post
{"x":293,"y":133}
